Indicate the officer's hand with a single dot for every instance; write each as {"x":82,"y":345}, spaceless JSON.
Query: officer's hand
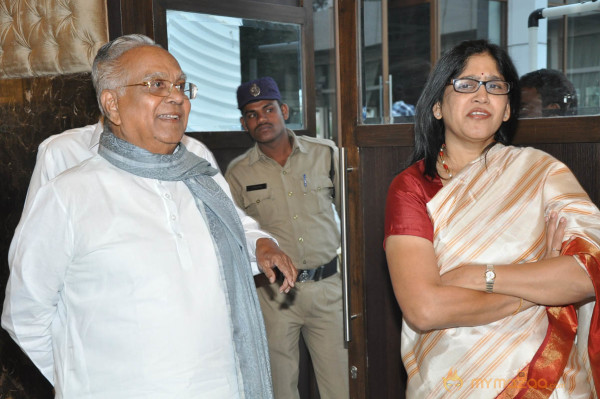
{"x":270,"y":256}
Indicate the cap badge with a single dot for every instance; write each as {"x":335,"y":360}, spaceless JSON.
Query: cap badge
{"x":254,"y":90}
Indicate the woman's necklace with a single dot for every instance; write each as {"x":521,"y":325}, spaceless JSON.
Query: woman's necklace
{"x":443,"y":161}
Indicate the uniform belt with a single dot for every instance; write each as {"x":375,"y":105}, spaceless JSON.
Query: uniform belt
{"x":318,"y":273}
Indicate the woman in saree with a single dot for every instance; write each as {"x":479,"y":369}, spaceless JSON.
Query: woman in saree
{"x":495,"y":304}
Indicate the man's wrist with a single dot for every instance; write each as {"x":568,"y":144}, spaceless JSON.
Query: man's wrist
{"x":267,"y":241}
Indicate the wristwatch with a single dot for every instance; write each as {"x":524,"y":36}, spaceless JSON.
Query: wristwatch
{"x":490,"y":277}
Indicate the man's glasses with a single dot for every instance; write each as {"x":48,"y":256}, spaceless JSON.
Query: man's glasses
{"x":163,"y":88}
{"x":468,"y":85}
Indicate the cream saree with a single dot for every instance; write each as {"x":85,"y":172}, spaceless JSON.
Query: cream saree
{"x":492,"y":212}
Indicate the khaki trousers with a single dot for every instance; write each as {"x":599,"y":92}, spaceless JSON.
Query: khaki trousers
{"x":315,"y":310}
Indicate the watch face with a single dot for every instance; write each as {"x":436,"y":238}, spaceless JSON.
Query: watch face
{"x":490,"y":275}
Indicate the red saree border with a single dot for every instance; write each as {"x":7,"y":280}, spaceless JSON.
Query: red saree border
{"x":589,"y":255}
{"x":543,"y":373}
{"x":539,"y":378}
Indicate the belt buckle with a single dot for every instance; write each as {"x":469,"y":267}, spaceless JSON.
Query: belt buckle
{"x":304,"y":276}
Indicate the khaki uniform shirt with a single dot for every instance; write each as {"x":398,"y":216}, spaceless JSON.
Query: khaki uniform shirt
{"x":292,"y":202}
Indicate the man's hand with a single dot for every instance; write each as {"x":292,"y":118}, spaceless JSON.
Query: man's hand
{"x":270,"y":256}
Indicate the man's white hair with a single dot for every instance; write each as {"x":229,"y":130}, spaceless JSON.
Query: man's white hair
{"x":107,"y":71}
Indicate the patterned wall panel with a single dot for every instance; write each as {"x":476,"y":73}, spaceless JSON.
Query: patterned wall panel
{"x":50,"y":37}
{"x":46,"y":52}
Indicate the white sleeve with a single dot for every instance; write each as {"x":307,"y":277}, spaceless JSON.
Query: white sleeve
{"x":60,"y":152}
{"x":251,"y":227}
{"x":42,"y":172}
{"x":43,"y":245}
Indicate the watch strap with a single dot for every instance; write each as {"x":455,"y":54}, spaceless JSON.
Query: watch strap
{"x":490,"y":278}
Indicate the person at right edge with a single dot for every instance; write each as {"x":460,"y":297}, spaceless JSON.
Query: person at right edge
{"x":495,"y":304}
{"x":287,"y":183}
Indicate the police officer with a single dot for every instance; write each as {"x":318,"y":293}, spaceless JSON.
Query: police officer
{"x":287,"y":183}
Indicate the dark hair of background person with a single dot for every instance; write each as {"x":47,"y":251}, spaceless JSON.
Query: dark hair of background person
{"x":553,"y":88}
{"x":429,"y":131}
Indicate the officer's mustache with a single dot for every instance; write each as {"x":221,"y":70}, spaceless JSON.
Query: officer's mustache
{"x":263,"y":124}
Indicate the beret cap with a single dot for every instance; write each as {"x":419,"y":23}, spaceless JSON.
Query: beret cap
{"x":263,"y":88}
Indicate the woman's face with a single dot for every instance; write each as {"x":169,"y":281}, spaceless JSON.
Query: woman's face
{"x":474,"y":117}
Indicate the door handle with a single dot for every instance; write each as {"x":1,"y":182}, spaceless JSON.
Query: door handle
{"x":344,"y":244}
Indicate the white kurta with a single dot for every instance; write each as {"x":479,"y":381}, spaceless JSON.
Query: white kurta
{"x":115,"y":289}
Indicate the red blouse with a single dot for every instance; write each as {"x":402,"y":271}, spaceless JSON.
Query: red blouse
{"x":406,"y":205}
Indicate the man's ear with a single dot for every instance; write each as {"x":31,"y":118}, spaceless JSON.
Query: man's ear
{"x":110,"y":104}
{"x":285,"y":111}
{"x":243,"y":122}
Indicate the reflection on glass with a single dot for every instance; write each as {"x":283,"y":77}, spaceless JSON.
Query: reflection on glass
{"x":579,"y":57}
{"x":409,"y":57}
{"x":218,"y":53}
{"x":391,"y":85}
{"x":325,"y":73}
{"x":371,"y":59}
{"x":396,"y":55}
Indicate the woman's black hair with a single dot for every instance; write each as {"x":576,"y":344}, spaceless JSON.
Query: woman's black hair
{"x":429,"y":131}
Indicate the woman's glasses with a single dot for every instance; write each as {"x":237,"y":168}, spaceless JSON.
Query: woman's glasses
{"x":468,"y":85}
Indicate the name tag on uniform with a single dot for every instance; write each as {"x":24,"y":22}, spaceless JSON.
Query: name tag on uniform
{"x":255,"y":187}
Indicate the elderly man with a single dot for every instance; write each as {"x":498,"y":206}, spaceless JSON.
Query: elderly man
{"x":287,"y":183}
{"x":130,"y":274}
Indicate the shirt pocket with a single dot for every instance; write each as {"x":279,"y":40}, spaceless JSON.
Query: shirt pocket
{"x":260,"y":205}
{"x":320,"y":188}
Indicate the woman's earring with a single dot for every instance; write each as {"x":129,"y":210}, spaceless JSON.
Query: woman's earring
{"x":436,"y":110}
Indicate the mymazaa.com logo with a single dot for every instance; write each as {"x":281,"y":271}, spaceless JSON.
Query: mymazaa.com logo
{"x":453,"y":382}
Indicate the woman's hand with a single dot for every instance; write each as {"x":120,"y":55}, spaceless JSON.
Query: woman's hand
{"x":555,"y":233}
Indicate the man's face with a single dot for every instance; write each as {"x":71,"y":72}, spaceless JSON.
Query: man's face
{"x":265,"y":120}
{"x":154,"y":123}
{"x":531,"y":103}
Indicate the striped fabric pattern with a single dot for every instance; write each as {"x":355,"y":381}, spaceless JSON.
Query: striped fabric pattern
{"x":492,"y":212}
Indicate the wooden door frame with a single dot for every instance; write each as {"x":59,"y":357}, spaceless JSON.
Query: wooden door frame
{"x":347,"y":15}
{"x":352,"y":136}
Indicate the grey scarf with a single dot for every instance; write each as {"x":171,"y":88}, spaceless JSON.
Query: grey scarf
{"x":249,"y":336}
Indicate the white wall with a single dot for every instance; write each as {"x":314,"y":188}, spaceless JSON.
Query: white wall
{"x":518,"y":34}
